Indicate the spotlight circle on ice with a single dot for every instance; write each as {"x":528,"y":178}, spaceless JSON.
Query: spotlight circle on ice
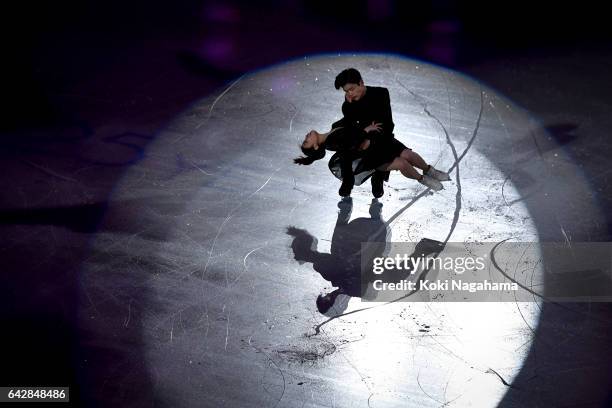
{"x":222,"y":297}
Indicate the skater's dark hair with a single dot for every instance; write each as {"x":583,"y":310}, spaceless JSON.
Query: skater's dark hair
{"x":312,"y":155}
{"x":348,"y":76}
{"x":324,"y":303}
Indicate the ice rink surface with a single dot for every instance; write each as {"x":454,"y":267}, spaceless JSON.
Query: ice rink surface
{"x":191,"y":290}
{"x":159,"y":248}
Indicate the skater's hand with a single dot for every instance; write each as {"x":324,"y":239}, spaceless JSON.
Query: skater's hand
{"x":374,"y":127}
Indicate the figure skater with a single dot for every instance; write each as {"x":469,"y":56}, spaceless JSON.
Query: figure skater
{"x":364,"y":142}
{"x":358,"y":156}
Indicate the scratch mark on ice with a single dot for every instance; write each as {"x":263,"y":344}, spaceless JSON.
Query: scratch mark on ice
{"x":126,"y":322}
{"x":217,"y":100}
{"x":227,"y":330}
{"x":198,"y":167}
{"x":244,"y":269}
{"x":291,"y":121}
{"x":49,"y":172}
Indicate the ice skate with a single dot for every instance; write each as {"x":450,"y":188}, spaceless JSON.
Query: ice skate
{"x":437,"y":174}
{"x":431,"y":182}
{"x":377,"y":185}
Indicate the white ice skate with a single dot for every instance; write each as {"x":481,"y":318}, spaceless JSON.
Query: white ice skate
{"x":437,"y":174}
{"x":431,"y":182}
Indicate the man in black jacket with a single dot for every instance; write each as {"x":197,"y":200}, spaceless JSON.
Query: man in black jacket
{"x":367,"y":108}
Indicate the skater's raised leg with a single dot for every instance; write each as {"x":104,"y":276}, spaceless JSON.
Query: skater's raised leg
{"x":416,"y":160}
{"x":401,"y":164}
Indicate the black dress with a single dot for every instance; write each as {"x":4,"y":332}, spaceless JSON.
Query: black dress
{"x":349,"y":161}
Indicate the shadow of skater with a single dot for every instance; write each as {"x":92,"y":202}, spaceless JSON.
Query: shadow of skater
{"x":342,"y":266}
{"x":348,"y":267}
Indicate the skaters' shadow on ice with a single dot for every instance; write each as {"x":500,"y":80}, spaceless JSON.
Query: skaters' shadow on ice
{"x":347,"y":267}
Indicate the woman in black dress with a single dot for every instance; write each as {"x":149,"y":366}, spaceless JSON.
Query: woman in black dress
{"x":359,"y":153}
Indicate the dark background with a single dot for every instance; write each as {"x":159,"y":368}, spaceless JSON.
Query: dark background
{"x":89,"y":83}
{"x":52,"y":47}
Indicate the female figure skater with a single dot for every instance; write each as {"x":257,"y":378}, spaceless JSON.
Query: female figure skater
{"x":358,"y":156}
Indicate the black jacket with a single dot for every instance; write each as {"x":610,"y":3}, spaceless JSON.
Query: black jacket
{"x":374,"y":106}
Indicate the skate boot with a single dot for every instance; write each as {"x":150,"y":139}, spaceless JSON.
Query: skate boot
{"x":431,"y":182}
{"x":377,"y":184}
{"x":437,"y":174}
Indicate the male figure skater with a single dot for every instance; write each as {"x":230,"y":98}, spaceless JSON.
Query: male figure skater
{"x":369,"y":108}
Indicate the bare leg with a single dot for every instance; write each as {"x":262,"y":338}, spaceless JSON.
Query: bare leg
{"x":401,"y":164}
{"x":414,"y":159}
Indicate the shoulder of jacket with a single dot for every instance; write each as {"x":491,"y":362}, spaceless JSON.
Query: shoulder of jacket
{"x":378,"y":88}
{"x":378,"y":91}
